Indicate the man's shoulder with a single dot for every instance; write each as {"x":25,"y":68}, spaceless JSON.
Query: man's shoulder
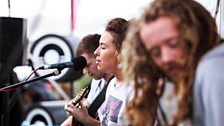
{"x":217,"y":52}
{"x":212,"y":63}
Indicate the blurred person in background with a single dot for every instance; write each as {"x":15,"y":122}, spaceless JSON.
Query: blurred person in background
{"x":161,"y":53}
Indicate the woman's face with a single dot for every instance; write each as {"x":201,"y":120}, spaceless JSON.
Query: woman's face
{"x":106,"y":58}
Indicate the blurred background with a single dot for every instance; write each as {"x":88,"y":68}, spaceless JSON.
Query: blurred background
{"x":38,"y":32}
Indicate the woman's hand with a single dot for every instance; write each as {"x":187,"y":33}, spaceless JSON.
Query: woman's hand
{"x":79,"y":113}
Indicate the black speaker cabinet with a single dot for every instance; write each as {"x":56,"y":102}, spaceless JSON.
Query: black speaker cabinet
{"x":13,"y":45}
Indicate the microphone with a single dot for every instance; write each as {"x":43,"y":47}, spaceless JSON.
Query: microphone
{"x":78,"y":63}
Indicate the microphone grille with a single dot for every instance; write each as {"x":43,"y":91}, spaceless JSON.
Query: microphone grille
{"x":79,"y":62}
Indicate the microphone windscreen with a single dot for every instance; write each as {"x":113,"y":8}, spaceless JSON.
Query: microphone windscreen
{"x":79,"y":62}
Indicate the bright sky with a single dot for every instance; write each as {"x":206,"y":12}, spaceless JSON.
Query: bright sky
{"x":53,"y":16}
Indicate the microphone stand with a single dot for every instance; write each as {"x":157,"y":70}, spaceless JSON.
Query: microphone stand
{"x":54,"y":73}
{"x":6,"y":110}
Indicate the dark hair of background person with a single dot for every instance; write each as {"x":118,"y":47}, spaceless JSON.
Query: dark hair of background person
{"x":88,"y":44}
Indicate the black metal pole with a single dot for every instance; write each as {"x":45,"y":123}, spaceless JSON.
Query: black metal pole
{"x":29,"y":81}
{"x":9,"y":7}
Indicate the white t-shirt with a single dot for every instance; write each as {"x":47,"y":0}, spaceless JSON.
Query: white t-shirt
{"x":117,"y":98}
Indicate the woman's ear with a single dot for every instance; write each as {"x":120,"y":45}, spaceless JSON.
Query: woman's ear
{"x":116,"y":55}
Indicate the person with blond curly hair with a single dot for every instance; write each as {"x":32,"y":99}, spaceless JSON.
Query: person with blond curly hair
{"x":160,"y":54}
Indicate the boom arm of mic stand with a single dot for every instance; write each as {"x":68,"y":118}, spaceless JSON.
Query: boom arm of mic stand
{"x":54,"y":73}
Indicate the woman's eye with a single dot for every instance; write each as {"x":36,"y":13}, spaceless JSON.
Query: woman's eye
{"x":102,"y":47}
